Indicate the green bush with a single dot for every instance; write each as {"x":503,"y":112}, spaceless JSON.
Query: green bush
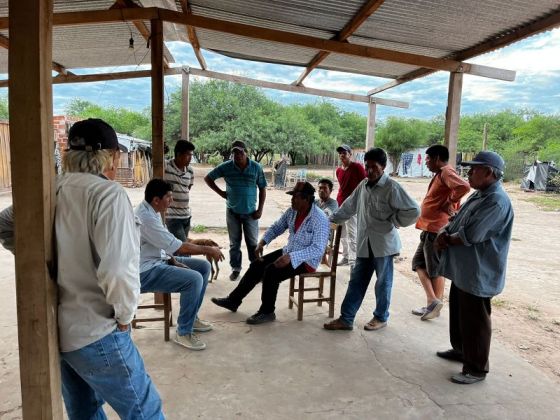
{"x":215,"y":160}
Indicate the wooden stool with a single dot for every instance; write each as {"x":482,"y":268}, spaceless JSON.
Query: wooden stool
{"x":167,"y":317}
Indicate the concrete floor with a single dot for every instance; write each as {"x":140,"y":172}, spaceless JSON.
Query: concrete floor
{"x":295,"y":369}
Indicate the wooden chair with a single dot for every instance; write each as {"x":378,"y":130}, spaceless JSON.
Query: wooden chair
{"x":326,"y":269}
{"x":167,"y":317}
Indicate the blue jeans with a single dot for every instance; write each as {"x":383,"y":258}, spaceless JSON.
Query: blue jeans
{"x":359,"y":281}
{"x":112,"y":370}
{"x":237,"y":225}
{"x":179,"y":227}
{"x":191,"y":283}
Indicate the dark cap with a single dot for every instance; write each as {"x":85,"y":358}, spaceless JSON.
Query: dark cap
{"x":344,"y":148}
{"x":302,"y":187}
{"x":239,"y":145}
{"x":486,"y":158}
{"x":91,"y":135}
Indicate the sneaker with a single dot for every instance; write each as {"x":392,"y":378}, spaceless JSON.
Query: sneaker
{"x":190,"y":341}
{"x":225,"y":303}
{"x":337,"y":324}
{"x":260,"y":318}
{"x":234,"y":275}
{"x":201,"y":326}
{"x":419,"y":311}
{"x":466,"y":378}
{"x":433,"y":310}
{"x":343,"y":261}
{"x":374,"y":324}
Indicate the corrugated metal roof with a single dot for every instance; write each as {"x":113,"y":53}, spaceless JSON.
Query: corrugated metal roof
{"x":433,"y":28}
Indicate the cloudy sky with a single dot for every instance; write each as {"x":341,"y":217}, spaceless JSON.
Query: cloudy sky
{"x":537,"y":86}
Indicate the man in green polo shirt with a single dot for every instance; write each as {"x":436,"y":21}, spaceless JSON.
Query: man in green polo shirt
{"x":243,"y":177}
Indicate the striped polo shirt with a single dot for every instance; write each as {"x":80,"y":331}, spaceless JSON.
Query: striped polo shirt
{"x":241,"y":185}
{"x":182,"y":182}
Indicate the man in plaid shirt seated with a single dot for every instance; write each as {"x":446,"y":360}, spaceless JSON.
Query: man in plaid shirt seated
{"x":309,"y":233}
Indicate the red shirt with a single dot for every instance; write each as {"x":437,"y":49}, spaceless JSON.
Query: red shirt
{"x":444,"y":195}
{"x":348,"y":180}
{"x":299,"y":220}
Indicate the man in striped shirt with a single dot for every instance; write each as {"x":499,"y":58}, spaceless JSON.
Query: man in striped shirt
{"x":179,"y":174}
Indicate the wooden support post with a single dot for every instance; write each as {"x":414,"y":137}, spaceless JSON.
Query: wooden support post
{"x":370,"y":133}
{"x":185,"y":104}
{"x":32,"y":157}
{"x":453,"y":115}
{"x":157,"y":107}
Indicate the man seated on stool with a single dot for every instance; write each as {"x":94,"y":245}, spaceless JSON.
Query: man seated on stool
{"x":161,"y":272}
{"x":309,"y":233}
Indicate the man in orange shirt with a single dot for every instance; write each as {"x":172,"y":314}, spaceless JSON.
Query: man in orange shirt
{"x":442,"y":200}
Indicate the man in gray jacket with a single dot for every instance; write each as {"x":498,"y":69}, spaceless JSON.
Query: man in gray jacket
{"x":382,"y":206}
{"x":98,"y":248}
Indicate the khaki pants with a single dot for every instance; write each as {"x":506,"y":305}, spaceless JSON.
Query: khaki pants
{"x":348,"y":239}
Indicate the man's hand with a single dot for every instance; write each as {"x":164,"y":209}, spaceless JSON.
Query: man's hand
{"x":172,"y":261}
{"x":442,"y":241}
{"x":283,"y":261}
{"x":259,"y":250}
{"x":123,"y":328}
{"x":215,"y":253}
{"x":257,"y":214}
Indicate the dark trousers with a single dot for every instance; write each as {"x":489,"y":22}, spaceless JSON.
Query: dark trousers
{"x":271,"y":277}
{"x":470,"y":329}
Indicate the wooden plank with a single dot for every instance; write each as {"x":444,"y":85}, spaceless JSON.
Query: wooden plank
{"x":453,"y":115}
{"x":31,"y":132}
{"x":157,"y":96}
{"x":370,"y":133}
{"x":255,"y":32}
{"x":185,"y":104}
{"x":360,"y":17}
{"x":193,"y":38}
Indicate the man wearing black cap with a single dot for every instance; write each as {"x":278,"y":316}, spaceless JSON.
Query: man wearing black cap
{"x":243,"y":177}
{"x":309,"y":233}
{"x":179,"y":173}
{"x":475,"y":246}
{"x":349,"y":175}
{"x":98,"y":280}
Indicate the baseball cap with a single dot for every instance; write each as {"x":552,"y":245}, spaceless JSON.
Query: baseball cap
{"x":486,"y":158}
{"x":239,"y":145}
{"x":344,"y":148}
{"x":302,"y":187}
{"x":91,"y":135}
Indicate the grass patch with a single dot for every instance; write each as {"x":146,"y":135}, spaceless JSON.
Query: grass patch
{"x":500,"y":303}
{"x":533,"y":308}
{"x":533,"y":316}
{"x":199,"y":229}
{"x":546,"y":202}
{"x":555,"y":322}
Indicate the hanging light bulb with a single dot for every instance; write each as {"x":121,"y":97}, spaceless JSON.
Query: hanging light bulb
{"x":131,"y":43}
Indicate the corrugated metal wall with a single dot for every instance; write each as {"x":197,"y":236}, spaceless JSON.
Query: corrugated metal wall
{"x":5,"y":172}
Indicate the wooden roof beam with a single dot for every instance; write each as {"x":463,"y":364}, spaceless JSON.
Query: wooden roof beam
{"x":193,"y":38}
{"x":59,"y":68}
{"x":134,"y":74}
{"x":365,"y":11}
{"x":140,"y":25}
{"x":251,"y":31}
{"x":547,"y":23}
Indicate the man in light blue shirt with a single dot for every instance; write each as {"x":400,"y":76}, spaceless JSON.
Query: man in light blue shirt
{"x":309,"y":233}
{"x":382,"y":206}
{"x":243,"y":177}
{"x":161,"y":272}
{"x":475,"y":247}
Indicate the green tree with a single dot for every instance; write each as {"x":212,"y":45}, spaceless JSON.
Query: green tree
{"x":4,"y":114}
{"x":397,"y":135}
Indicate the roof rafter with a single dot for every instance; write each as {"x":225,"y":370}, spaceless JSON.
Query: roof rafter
{"x":365,"y":11}
{"x":141,"y":26}
{"x":541,"y":25}
{"x":59,"y":68}
{"x":193,"y":38}
{"x":251,"y":31}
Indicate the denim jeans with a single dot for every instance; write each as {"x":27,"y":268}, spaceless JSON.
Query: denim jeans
{"x":190,"y":283}
{"x":358,"y":285}
{"x":179,"y":227}
{"x":238,"y":225}
{"x":112,"y":370}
